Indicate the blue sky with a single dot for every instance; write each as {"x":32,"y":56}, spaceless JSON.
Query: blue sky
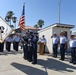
{"x":46,"y":10}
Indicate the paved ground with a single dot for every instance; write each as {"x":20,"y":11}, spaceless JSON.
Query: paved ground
{"x":12,"y":63}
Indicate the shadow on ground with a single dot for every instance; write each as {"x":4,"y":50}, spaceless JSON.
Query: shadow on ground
{"x":50,"y":64}
{"x":56,"y":65}
{"x":11,"y":52}
{"x":29,"y":70}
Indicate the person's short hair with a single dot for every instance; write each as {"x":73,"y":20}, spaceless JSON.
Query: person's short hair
{"x":72,"y":35}
{"x":35,"y":33}
{"x":43,"y":35}
{"x":27,"y":32}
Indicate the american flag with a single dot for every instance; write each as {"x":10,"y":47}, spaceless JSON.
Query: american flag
{"x":22,"y":20}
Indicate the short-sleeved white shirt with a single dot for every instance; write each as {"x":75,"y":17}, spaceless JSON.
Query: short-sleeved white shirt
{"x":16,"y":39}
{"x":55,"y":40}
{"x":72,"y":42}
{"x":62,"y":39}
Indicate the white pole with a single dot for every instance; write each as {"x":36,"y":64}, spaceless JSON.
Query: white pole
{"x":59,"y":9}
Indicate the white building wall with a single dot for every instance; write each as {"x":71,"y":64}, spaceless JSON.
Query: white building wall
{"x":59,"y":29}
{"x":73,"y":32}
{"x":48,"y":32}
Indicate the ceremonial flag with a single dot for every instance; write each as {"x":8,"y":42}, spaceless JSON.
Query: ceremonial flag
{"x":22,"y":19}
{"x":5,"y":30}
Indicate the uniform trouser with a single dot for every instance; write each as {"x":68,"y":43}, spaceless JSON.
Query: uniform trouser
{"x":25,"y":49}
{"x":1,"y":47}
{"x":8,"y":46}
{"x":16,"y":45}
{"x":55,"y":47}
{"x":44,"y":48}
{"x":34,"y":54}
{"x":73,"y":54}
{"x":30,"y":53}
{"x":62,"y":51}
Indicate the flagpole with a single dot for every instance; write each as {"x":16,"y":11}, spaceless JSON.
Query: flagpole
{"x":59,"y":9}
{"x":24,"y":13}
{"x":24,"y":9}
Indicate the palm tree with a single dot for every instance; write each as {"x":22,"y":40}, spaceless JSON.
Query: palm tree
{"x":36,"y":26}
{"x":14,"y":19}
{"x":9,"y":17}
{"x":40,"y":23}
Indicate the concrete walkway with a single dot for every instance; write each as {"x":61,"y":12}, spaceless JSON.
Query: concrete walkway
{"x":12,"y":63}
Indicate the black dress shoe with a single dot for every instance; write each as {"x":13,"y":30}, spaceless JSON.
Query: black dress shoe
{"x":30,"y":60}
{"x":60,"y":59}
{"x":74,"y":62}
{"x":34,"y":63}
{"x":55,"y":56}
{"x":25,"y":58}
{"x":71,"y":61}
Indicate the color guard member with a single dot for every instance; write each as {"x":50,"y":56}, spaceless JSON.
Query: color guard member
{"x":34,"y":51}
{"x":25,"y":46}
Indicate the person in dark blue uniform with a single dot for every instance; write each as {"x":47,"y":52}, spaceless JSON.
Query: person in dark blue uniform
{"x":25,"y":45}
{"x":30,"y":46}
{"x":34,"y":51}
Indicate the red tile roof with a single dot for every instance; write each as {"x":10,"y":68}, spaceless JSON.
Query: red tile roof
{"x":30,"y":27}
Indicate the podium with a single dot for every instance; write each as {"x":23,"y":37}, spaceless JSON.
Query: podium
{"x":41,"y":48}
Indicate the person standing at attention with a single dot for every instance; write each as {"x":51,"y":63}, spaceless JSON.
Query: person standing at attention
{"x":72,"y":44}
{"x":63,"y":43}
{"x":55,"y":44}
{"x":34,"y":51}
{"x":8,"y":42}
{"x":16,"y":40}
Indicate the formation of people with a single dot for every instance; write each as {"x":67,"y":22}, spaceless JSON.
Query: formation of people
{"x":30,"y":41}
{"x":30,"y":47}
{"x":10,"y":39}
{"x":63,"y":41}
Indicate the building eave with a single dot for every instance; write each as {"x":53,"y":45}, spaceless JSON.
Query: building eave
{"x":63,"y":25}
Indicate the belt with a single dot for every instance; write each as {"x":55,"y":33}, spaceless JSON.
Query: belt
{"x":55,"y":44}
{"x":62,"y":44}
